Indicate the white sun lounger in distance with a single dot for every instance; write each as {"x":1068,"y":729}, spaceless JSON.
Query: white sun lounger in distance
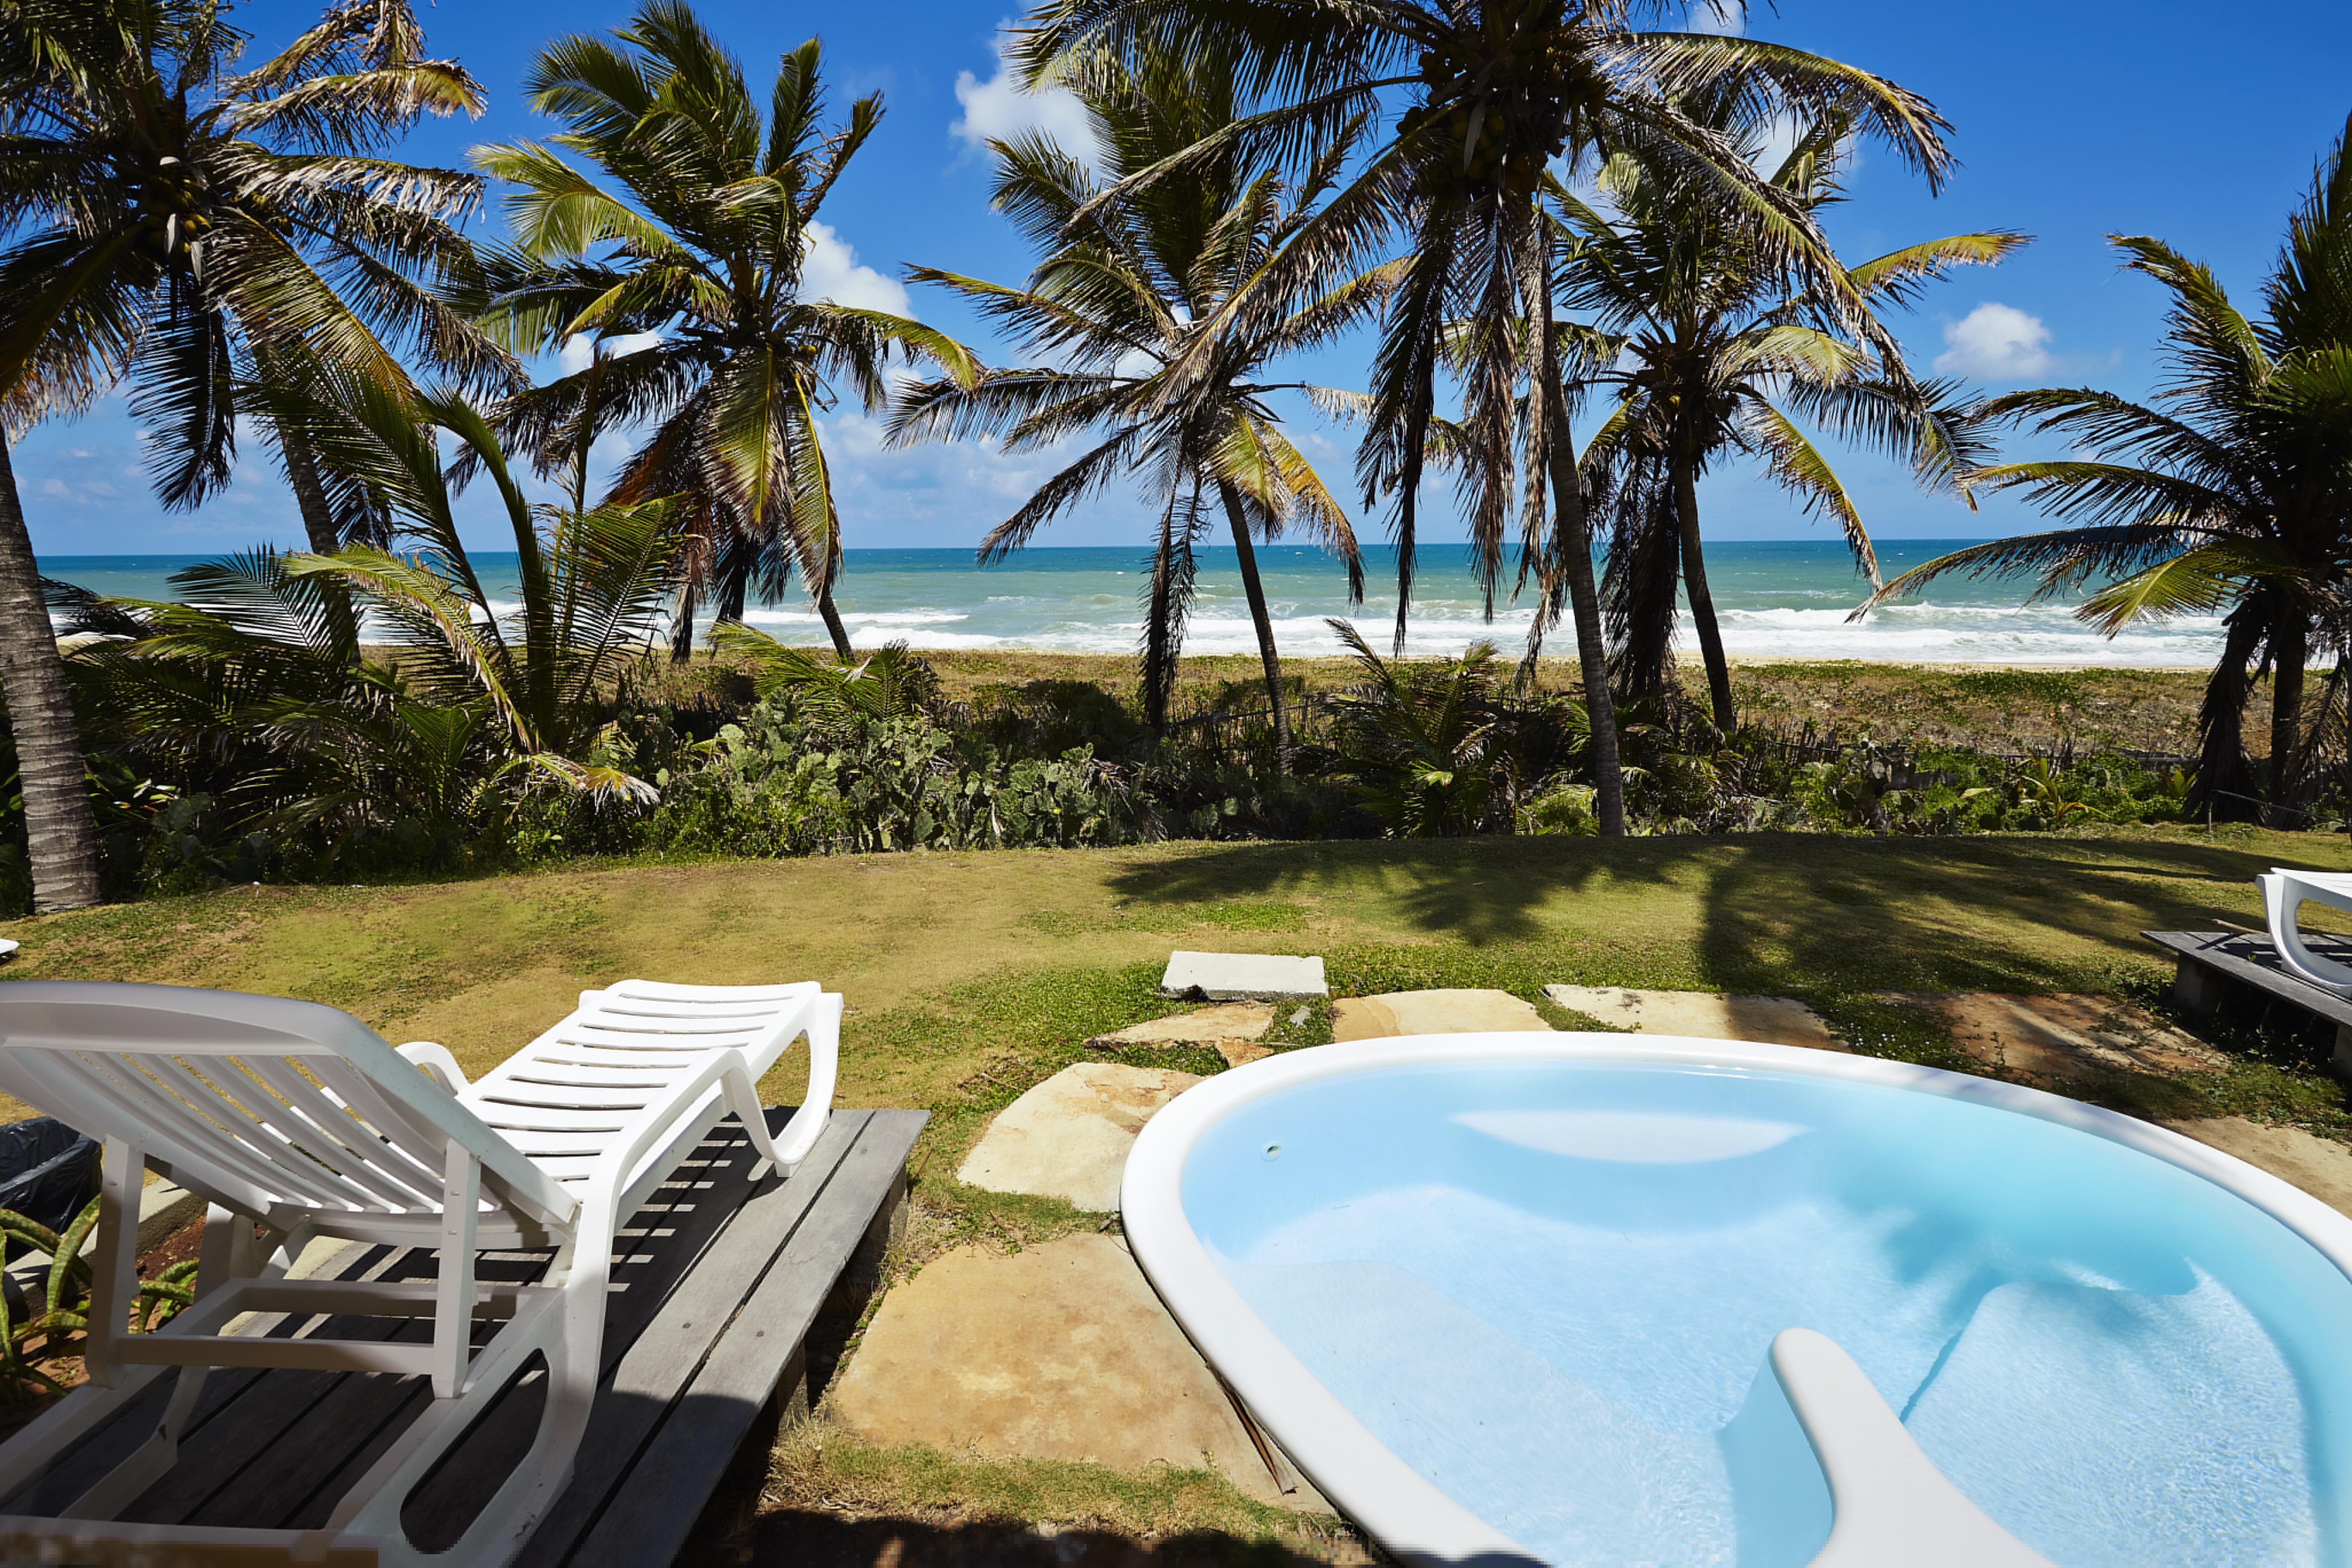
{"x":301,"y":1118}
{"x":2283,"y":891}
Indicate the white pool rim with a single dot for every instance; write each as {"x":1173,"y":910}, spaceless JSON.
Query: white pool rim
{"x":1356,"y":1471}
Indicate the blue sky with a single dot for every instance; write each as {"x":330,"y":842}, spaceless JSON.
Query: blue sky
{"x":2195,"y":124}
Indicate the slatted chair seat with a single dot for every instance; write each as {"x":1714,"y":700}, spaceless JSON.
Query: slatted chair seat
{"x":301,"y":1118}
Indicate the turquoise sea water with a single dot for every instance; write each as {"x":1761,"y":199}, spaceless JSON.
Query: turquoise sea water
{"x":1775,"y":599}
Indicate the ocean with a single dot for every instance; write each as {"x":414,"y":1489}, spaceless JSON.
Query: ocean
{"x":1775,"y":599}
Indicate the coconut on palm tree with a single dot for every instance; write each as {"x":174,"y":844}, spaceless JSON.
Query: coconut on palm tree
{"x":1498,"y":89}
{"x":1711,"y":341}
{"x":1127,"y":291}
{"x":177,"y":221}
{"x":2228,"y":492}
{"x":690,"y":214}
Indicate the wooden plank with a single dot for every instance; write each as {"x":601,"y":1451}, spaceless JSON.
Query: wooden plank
{"x":710,"y":1191}
{"x":2251,"y":961}
{"x":81,"y":1466}
{"x":665,"y":1355}
{"x":648,"y":1515}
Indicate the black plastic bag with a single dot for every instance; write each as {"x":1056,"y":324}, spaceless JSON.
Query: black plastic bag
{"x":45,"y":1169}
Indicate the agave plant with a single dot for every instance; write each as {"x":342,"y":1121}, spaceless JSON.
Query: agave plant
{"x":62,"y":1317}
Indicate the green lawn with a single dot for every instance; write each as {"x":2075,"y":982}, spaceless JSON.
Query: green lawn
{"x":951,"y":963}
{"x":972,"y":977}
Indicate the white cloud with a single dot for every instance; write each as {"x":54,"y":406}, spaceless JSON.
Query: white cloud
{"x":831,"y":271}
{"x":1000,"y":109}
{"x":573,"y":358}
{"x":1996,"y":343}
{"x":1727,"y":18}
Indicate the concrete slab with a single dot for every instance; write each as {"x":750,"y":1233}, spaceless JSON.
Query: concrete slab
{"x":1069,"y":1136}
{"x":2320,"y":1166}
{"x":1200,"y":1026}
{"x":1705,"y":1015}
{"x":1059,"y":1352}
{"x":1233,"y":976}
{"x":2066,"y":1037}
{"x":1431,"y":1013}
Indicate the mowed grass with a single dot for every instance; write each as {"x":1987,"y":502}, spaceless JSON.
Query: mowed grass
{"x":953,"y":961}
{"x":971,"y":977}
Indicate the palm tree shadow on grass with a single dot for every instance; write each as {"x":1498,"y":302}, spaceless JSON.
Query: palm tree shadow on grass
{"x":1777,"y":912}
{"x":2001,"y":914}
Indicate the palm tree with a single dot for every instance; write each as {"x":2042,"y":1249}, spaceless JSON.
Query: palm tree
{"x":1708,"y":341}
{"x":1498,"y":90}
{"x":590,"y":581}
{"x":203,"y":230}
{"x":2230,"y":492}
{"x":1122,"y":297}
{"x":179,"y":222}
{"x":694,"y":220}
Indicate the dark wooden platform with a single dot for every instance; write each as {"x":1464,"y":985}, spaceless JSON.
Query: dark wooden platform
{"x":731,"y":1298}
{"x":2239,"y":973}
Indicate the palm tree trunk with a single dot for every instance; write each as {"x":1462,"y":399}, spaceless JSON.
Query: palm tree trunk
{"x":833,"y":629}
{"x":302,"y":474}
{"x":681,"y":628}
{"x":2290,"y":649}
{"x":2222,"y":784}
{"x":1265,"y":623}
{"x":1572,"y":536}
{"x":1702,"y":602}
{"x":60,"y":835}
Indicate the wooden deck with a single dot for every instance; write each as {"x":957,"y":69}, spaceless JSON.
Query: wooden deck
{"x":730,"y":1299}
{"x":2239,"y":973}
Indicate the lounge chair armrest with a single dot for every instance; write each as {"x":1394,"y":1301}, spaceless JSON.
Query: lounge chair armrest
{"x":800,"y":1134}
{"x":437,"y":1063}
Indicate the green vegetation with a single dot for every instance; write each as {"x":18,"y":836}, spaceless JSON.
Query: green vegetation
{"x":919,"y":1492}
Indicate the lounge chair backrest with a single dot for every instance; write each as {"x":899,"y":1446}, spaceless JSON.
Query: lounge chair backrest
{"x":254,"y":1101}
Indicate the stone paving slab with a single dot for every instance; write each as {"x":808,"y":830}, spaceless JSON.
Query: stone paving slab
{"x":1704,"y":1014}
{"x":2065,"y":1037}
{"x":1237,"y":976}
{"x":1200,"y":1026}
{"x":1431,"y":1013}
{"x":1058,"y":1351}
{"x":1068,"y":1137}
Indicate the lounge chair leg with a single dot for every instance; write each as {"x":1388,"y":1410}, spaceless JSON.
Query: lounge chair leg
{"x":116,"y":1272}
{"x":452,"y":1307}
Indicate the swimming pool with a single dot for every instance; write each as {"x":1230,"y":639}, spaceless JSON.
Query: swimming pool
{"x":1521,"y":1295}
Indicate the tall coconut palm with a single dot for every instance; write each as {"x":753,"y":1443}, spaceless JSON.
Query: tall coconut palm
{"x":203,"y":230}
{"x":1713,"y":340}
{"x":693,"y":219}
{"x":1122,"y":297}
{"x":177,"y":221}
{"x":1498,"y":89}
{"x":2230,"y":492}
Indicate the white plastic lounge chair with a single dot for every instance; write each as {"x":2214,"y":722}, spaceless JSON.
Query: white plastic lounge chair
{"x":2283,"y":891}
{"x":302,"y":1118}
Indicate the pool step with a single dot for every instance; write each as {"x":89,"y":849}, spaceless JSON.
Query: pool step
{"x":1893,"y":1506}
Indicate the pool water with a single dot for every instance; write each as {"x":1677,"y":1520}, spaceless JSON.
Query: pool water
{"x":1550,"y":1288}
